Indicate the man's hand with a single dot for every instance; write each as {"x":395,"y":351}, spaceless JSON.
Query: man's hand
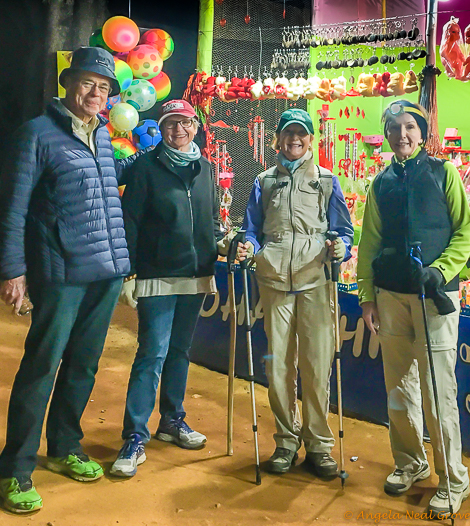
{"x":336,"y":249}
{"x":371,"y":316}
{"x":13,"y":291}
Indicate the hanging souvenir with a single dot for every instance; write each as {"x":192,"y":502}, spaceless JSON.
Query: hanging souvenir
{"x":450,"y":50}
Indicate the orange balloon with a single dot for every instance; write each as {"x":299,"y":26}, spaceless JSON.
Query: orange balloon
{"x":120,"y":33}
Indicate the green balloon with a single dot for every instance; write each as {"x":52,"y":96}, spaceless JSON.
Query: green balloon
{"x":96,"y":40}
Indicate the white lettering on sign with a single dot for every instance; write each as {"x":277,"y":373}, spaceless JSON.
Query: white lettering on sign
{"x":357,"y":334}
{"x":465,"y":353}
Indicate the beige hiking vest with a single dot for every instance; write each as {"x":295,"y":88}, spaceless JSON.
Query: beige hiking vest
{"x":293,"y":254}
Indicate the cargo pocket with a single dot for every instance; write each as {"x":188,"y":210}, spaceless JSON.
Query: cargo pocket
{"x":270,"y":262}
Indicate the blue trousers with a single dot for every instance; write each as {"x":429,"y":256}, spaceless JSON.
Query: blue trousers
{"x":166,"y":329}
{"x":68,"y":329}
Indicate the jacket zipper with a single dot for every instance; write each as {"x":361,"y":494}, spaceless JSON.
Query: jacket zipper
{"x":192,"y":227}
{"x":100,"y":178}
{"x":291,"y":211}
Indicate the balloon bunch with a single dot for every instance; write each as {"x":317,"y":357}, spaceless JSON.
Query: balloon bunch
{"x":138,"y":67}
{"x":455,"y":55}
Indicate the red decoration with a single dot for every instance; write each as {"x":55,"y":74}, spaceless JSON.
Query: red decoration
{"x":223,"y":22}
{"x":247,"y":19}
{"x":219,"y":1}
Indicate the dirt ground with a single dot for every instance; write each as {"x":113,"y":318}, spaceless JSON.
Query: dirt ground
{"x":205,"y":487}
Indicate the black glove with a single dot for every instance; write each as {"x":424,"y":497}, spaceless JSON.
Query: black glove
{"x":434,"y":288}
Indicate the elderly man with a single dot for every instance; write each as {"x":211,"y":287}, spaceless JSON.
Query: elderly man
{"x":62,"y":238}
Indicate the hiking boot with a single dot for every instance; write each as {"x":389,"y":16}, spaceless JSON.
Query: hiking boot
{"x":131,"y":455}
{"x":19,"y":495}
{"x":439,"y":504}
{"x":77,"y":466}
{"x":177,"y":431}
{"x":401,"y":481}
{"x":323,"y":464}
{"x":281,"y":460}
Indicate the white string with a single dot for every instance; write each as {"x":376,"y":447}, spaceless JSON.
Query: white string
{"x":260,"y":52}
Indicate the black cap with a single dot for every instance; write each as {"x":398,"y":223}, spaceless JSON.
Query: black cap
{"x":94,"y":60}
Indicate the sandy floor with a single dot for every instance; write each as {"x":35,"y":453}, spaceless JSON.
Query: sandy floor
{"x":206,"y":487}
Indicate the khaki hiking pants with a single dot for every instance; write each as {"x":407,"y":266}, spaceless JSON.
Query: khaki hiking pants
{"x":299,"y":328}
{"x":409,"y":387}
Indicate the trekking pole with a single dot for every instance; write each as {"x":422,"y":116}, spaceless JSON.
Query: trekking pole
{"x":416,"y":256}
{"x":335,"y":264}
{"x":232,"y":253}
{"x":251,"y":377}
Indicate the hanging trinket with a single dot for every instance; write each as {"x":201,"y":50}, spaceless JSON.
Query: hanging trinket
{"x":247,"y":17}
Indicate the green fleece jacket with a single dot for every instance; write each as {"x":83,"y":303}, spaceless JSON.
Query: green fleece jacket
{"x":451,"y":261}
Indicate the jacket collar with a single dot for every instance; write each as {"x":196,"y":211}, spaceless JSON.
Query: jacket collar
{"x":158,"y":152}
{"x":307,"y":167}
{"x":56,"y":111}
{"x":417,"y":158}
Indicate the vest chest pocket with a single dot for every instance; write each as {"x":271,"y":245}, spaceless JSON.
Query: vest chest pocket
{"x":278,"y":193}
{"x":311,"y":198}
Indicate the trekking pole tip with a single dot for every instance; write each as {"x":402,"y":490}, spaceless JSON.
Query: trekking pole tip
{"x":258,"y":475}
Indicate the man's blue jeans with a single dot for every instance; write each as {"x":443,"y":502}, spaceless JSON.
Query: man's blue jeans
{"x":64,"y":344}
{"x":166,"y":328}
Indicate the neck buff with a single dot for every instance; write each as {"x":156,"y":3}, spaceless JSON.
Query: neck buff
{"x":179,"y":158}
{"x":292,"y":165}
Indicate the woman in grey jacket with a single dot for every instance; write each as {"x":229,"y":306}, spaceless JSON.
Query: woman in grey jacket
{"x":290,"y":210}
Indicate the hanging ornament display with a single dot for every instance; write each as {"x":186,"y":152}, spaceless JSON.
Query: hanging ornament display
{"x":223,"y":177}
{"x":247,"y":17}
{"x":256,"y":135}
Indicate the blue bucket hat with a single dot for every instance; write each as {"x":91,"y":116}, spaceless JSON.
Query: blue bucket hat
{"x":94,"y":60}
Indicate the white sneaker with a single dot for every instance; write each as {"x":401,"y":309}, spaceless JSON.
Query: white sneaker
{"x":131,"y":455}
{"x":178,"y":432}
{"x":401,"y":481}
{"x":439,"y":505}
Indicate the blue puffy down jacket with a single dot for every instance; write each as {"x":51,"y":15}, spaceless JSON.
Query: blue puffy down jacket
{"x":60,"y":211}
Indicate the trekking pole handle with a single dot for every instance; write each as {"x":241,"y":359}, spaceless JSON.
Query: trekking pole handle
{"x":415,"y":254}
{"x":232,"y":251}
{"x":332,"y":236}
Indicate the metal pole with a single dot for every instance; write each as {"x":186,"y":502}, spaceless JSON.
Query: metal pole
{"x":335,"y":265}
{"x":231,"y":365}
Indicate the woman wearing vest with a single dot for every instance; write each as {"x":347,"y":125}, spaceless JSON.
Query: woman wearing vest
{"x":171,"y":216}
{"x":290,"y":210}
{"x":416,"y":199}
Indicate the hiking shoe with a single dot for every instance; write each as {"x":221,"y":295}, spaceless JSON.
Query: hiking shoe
{"x":19,"y":495}
{"x":77,"y":466}
{"x":401,"y":481}
{"x":131,"y":455}
{"x":177,"y":431}
{"x":323,"y":464}
{"x":439,"y":504}
{"x":281,"y":460}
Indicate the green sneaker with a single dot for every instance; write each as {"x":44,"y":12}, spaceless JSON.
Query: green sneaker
{"x":77,"y":466}
{"x":19,"y":495}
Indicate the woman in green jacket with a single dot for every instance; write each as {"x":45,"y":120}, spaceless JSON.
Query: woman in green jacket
{"x":417,"y":199}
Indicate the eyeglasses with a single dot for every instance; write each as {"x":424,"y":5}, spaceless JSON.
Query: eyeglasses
{"x":89,"y":86}
{"x":171,"y":125}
